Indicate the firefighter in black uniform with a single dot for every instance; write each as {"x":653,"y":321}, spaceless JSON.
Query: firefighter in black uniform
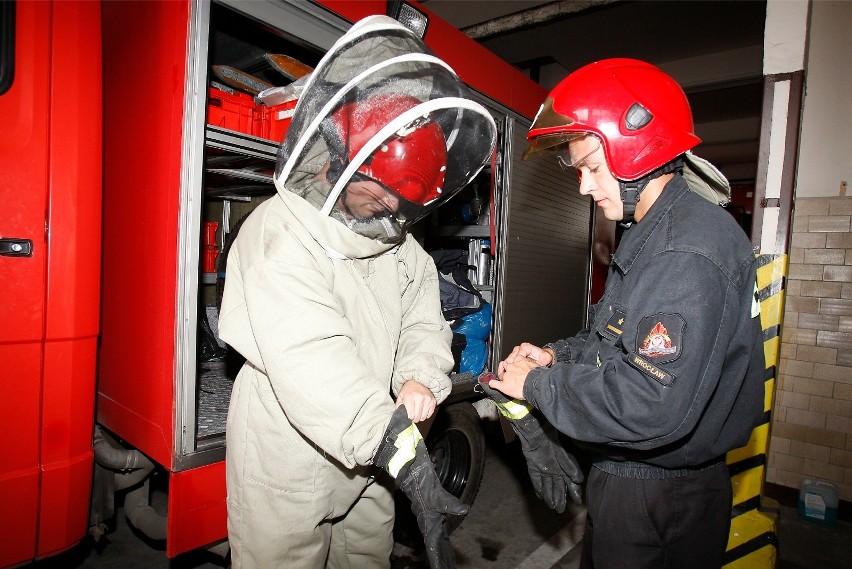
{"x":669,"y":375}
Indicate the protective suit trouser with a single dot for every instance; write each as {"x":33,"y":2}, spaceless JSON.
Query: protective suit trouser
{"x":361,"y":539}
{"x":657,"y":524}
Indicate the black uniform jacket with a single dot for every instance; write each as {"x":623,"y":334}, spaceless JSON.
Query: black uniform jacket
{"x":670,"y":372}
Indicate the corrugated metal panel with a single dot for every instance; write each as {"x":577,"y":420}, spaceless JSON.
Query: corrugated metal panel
{"x":543,"y":261}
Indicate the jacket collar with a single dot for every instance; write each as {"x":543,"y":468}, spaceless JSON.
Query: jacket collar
{"x":634,"y":239}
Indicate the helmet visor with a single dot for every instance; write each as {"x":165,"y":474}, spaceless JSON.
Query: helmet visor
{"x":548,"y":131}
{"x":563,"y":154}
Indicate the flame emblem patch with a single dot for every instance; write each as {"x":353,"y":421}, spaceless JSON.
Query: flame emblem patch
{"x":657,"y":343}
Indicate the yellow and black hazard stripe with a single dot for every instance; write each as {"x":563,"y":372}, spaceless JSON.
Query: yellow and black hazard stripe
{"x":753,"y":541}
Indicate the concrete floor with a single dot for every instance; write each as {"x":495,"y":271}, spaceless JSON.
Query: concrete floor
{"x":507,"y":528}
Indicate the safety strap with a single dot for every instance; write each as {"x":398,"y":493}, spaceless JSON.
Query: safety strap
{"x":630,"y":190}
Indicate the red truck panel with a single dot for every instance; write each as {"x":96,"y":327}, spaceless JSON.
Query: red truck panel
{"x":50,"y":181}
{"x":145,"y":67}
{"x":197,"y":511}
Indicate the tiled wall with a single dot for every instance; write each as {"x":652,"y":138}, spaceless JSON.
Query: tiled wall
{"x":812,"y":418}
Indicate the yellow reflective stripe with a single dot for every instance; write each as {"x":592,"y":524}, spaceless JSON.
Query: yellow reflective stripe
{"x":406,"y":443}
{"x":514,"y":409}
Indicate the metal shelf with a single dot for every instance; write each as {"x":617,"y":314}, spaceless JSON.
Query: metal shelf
{"x":238,"y":165}
{"x":461,"y":231}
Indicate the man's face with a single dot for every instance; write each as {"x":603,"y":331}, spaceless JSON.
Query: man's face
{"x":587,"y":158}
{"x":363,"y":199}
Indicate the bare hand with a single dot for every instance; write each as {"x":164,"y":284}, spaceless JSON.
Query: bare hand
{"x":541,"y":356}
{"x":513,"y":376}
{"x":418,"y":399}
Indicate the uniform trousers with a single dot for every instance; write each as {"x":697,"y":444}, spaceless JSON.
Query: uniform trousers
{"x":657,"y":523}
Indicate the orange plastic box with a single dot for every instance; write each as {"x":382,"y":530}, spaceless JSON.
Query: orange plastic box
{"x":272,"y":122}
{"x":231,"y":109}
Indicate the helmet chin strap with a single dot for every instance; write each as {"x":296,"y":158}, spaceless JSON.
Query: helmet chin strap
{"x":630,"y":190}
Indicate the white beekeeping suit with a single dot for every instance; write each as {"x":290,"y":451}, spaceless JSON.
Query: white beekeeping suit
{"x":335,"y":306}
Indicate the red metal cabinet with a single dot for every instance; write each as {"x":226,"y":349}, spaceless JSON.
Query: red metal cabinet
{"x":50,"y":187}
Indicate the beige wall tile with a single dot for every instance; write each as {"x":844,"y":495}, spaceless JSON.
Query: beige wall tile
{"x":844,"y":324}
{"x":826,"y":437}
{"x":797,"y":254}
{"x":828,"y":223}
{"x":794,"y":288}
{"x":800,"y":224}
{"x":788,"y":351}
{"x":821,"y":289}
{"x":791,"y":319}
{"x":793,"y":400}
{"x":841,"y":457}
{"x":779,"y":444}
{"x":837,"y":273}
{"x":842,"y":425}
{"x":842,"y":391}
{"x":818,"y":321}
{"x":839,"y":340}
{"x":830,"y":406}
{"x":834,"y":373}
{"x":786,"y":462}
{"x":816,"y":387}
{"x":810,"y":451}
{"x":844,"y":358}
{"x":806,"y":272}
{"x":817,"y":354}
{"x":806,"y":418}
{"x":825,"y":256}
{"x":840,"y":206}
{"x":834,"y":240}
{"x":791,"y":479}
{"x":846,"y":290}
{"x":800,"y":336}
{"x":823,"y":470}
{"x":798,"y":368}
{"x":804,"y":240}
{"x":793,"y":432}
{"x":811,"y":206}
{"x":802,"y":304}
{"x":836,"y":306}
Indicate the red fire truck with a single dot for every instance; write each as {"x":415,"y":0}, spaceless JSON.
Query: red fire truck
{"x":126,"y":163}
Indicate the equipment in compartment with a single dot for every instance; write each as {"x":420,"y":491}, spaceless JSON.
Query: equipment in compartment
{"x":229,"y":108}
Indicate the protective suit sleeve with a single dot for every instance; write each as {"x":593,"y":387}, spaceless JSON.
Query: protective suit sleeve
{"x":424,"y":353}
{"x":297,"y":335}
{"x":621,"y":397}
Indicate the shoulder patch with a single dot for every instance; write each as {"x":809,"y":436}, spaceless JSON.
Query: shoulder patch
{"x":649,"y":369}
{"x":660,"y":337}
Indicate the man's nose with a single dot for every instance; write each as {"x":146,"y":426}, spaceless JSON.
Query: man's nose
{"x":586,"y":185}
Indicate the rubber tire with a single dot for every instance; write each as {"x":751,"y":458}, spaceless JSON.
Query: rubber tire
{"x":456,"y":445}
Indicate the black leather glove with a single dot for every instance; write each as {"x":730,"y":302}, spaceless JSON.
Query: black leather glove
{"x":553,"y":471}
{"x":403,"y":454}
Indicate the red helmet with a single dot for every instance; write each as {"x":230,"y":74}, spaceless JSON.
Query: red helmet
{"x":640,"y":114}
{"x":412,"y":162}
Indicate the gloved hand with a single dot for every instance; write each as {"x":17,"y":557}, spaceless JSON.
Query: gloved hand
{"x":553,"y":471}
{"x":403,"y":454}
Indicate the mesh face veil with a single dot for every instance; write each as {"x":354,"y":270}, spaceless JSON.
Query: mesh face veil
{"x":382,"y":113}
{"x":411,"y":163}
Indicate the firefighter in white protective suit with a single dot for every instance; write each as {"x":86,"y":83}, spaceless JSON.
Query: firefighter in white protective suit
{"x":335,"y":307}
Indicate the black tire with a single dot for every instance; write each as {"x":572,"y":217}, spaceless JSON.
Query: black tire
{"x":456,"y":446}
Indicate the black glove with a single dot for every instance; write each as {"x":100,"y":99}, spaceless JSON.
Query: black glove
{"x":403,"y":454}
{"x":554,"y":472}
